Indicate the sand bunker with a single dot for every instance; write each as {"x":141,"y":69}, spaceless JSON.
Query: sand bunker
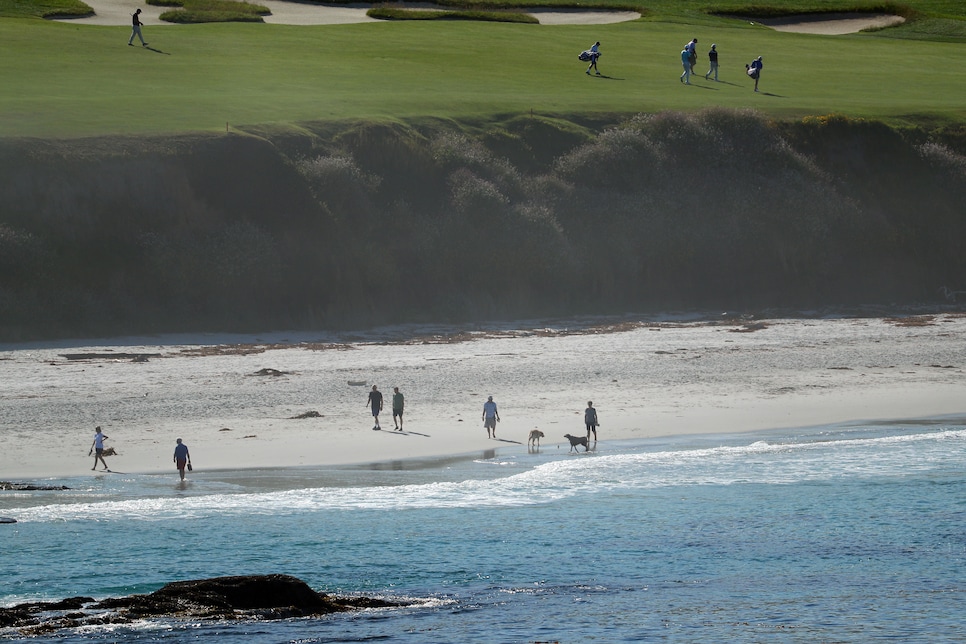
{"x":832,"y":24}
{"x":118,"y":12}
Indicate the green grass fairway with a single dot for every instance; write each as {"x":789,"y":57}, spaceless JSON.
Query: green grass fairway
{"x":65,"y":80}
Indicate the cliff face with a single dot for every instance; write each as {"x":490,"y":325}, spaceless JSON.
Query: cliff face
{"x":372,"y":223}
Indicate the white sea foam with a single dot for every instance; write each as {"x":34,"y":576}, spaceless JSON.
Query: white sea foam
{"x":761,"y":462}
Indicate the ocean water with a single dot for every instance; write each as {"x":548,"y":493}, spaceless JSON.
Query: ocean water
{"x":846,"y":533}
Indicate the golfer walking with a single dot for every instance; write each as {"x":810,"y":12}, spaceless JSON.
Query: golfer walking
{"x":136,"y":28}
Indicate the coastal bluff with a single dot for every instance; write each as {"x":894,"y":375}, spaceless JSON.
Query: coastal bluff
{"x":241,"y":597}
{"x":360,"y":224}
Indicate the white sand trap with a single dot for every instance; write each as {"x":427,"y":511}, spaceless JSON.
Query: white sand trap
{"x":578,"y":17}
{"x":118,"y":12}
{"x":832,"y":24}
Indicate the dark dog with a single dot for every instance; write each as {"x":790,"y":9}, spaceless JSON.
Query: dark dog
{"x":535,"y":436}
{"x":109,"y":451}
{"x":575,"y":441}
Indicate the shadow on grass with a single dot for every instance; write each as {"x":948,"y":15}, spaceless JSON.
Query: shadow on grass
{"x":157,"y":51}
{"x":606,"y":77}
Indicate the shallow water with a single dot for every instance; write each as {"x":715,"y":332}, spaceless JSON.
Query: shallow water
{"x":848,"y":533}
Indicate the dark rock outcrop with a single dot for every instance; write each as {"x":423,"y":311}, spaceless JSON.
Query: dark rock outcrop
{"x":238,"y":597}
{"x":30,"y":487}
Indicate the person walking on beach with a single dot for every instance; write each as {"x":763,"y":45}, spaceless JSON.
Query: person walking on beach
{"x":686,"y":61}
{"x":136,"y":25}
{"x":490,"y":417}
{"x":97,"y":448}
{"x":594,"y":55}
{"x":713,"y":58}
{"x":398,"y":402}
{"x":590,"y":419}
{"x":754,"y":70}
{"x":182,"y":458}
{"x":375,"y":402}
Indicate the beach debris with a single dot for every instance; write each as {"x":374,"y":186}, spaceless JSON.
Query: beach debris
{"x":133,"y":357}
{"x":225,"y":429}
{"x":30,"y":487}
{"x":251,"y":436}
{"x":750,"y":327}
{"x":241,"y":597}
{"x":357,"y":383}
{"x":268,"y":371}
{"x":307,"y":414}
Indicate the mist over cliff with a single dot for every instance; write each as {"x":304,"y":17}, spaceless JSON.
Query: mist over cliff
{"x":355,"y":224}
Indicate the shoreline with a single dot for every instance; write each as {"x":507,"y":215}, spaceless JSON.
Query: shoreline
{"x":647,"y":381}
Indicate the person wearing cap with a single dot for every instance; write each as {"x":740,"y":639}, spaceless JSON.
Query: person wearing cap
{"x":692,"y":48}
{"x":686,"y":61}
{"x":182,"y":458}
{"x":754,"y":70}
{"x":136,"y":25}
{"x":594,"y":55}
{"x":713,"y":57}
{"x":490,"y":417}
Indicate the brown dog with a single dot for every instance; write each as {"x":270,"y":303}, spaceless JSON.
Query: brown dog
{"x":575,"y":441}
{"x":535,"y":436}
{"x":109,"y":451}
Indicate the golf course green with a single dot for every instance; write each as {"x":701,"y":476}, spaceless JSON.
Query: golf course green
{"x":70,"y":80}
{"x":239,"y":176}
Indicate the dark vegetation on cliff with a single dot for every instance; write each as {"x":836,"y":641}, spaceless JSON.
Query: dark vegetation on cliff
{"x":368,"y":223}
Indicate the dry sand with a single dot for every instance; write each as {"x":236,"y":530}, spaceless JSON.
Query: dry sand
{"x":646,"y":379}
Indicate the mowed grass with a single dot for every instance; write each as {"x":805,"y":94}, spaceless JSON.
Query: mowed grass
{"x":68,"y":80}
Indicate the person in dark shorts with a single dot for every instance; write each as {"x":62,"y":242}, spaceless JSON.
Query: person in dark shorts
{"x":398,"y":402}
{"x":98,"y":447}
{"x":182,"y":458}
{"x":375,"y":402}
{"x":590,"y":419}
{"x":490,"y":417}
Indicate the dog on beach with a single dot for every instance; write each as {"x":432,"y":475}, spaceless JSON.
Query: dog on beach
{"x":535,"y":436}
{"x":109,"y":451}
{"x":575,"y":441}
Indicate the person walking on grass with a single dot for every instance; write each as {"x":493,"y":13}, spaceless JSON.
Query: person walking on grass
{"x":692,"y":48}
{"x":182,"y":458}
{"x":686,"y":61}
{"x":594,"y":55}
{"x":713,"y":58}
{"x":136,"y":25}
{"x":398,"y":402}
{"x":375,"y":402}
{"x":490,"y":417}
{"x":97,"y":448}
{"x":754,"y":70}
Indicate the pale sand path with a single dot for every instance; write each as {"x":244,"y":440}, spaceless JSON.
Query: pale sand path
{"x":646,"y":381}
{"x":118,"y":12}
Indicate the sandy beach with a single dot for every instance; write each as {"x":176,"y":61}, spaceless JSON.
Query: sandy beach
{"x":237,"y":401}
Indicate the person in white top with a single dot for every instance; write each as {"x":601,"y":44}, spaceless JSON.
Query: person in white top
{"x":490,"y":417}
{"x":97,"y":448}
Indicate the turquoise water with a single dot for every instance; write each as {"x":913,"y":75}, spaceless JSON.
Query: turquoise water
{"x":850,"y":533}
